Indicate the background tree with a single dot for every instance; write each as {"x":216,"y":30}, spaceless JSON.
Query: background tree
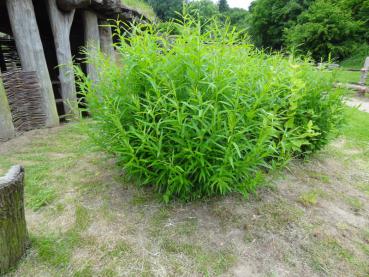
{"x":223,"y":6}
{"x":203,"y":8}
{"x":269,"y":18}
{"x":337,"y":27}
{"x":324,"y":29}
{"x":238,"y":18}
{"x":206,"y":9}
{"x":166,"y":9}
{"x":359,"y":12}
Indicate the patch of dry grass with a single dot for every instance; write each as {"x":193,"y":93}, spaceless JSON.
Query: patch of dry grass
{"x":86,"y":219}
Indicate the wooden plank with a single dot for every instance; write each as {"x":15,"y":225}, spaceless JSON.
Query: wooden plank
{"x":28,"y":41}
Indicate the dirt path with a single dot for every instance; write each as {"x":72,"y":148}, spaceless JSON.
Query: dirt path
{"x":361,"y":102}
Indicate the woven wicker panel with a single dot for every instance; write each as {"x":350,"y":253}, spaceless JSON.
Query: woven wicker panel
{"x":24,"y":97}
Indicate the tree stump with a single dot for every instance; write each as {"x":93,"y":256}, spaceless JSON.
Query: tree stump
{"x":13,"y":230}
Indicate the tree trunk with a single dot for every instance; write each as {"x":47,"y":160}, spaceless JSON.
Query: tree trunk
{"x":61,"y":24}
{"x":13,"y":230}
{"x":106,"y":39}
{"x":92,"y":41}
{"x":28,"y":41}
{"x":6,"y":120}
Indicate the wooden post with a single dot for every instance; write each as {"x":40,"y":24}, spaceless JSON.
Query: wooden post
{"x":106,"y":39}
{"x":92,"y":40}
{"x":61,"y":23}
{"x":364,"y":72}
{"x":28,"y":41}
{"x":6,"y":120}
{"x":13,"y":230}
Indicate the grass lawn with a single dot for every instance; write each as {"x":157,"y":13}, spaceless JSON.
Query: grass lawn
{"x":85,"y":218}
{"x":140,"y":6}
{"x":344,"y":76}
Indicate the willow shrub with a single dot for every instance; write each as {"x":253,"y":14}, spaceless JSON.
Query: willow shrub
{"x":203,"y":112}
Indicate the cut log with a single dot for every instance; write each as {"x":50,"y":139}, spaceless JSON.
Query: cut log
{"x":92,"y":41}
{"x":61,"y":23}
{"x":106,"y":39}
{"x":13,"y":230}
{"x":6,"y":122}
{"x":29,"y":46}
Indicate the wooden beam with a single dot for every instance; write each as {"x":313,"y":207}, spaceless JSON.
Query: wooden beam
{"x":106,"y":39}
{"x":69,"y":5}
{"x":6,"y":120}
{"x":92,"y":40}
{"x":28,"y":41}
{"x":61,"y":23}
{"x":107,"y":7}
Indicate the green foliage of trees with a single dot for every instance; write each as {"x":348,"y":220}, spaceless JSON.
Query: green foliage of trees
{"x":206,"y":9}
{"x":223,"y":6}
{"x":332,"y":28}
{"x":269,"y":18}
{"x":324,"y":29}
{"x":166,"y":9}
{"x":359,"y":9}
{"x":238,"y":18}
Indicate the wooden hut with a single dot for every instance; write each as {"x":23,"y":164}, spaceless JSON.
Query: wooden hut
{"x":39,"y":35}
